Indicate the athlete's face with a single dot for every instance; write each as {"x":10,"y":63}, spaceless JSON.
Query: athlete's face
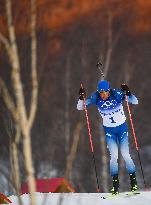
{"x":104,"y":95}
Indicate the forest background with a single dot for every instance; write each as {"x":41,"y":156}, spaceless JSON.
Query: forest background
{"x":68,"y":39}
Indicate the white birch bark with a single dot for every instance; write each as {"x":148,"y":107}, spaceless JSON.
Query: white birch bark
{"x":18,"y":109}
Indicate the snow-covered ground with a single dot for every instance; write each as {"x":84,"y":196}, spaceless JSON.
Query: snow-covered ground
{"x":84,"y":199}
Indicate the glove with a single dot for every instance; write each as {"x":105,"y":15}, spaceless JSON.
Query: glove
{"x":82,"y":94}
{"x":125,"y":89}
{"x":80,"y":105}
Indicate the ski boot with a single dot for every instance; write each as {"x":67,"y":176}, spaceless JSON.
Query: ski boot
{"x":133,"y":180}
{"x":115,"y":188}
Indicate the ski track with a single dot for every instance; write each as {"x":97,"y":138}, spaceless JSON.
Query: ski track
{"x":84,"y":199}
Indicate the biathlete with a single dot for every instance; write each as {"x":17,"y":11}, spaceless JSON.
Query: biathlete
{"x":109,"y":102}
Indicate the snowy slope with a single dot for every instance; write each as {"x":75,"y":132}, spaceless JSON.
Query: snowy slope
{"x":84,"y":199}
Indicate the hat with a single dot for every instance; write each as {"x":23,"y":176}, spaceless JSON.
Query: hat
{"x":103,"y":85}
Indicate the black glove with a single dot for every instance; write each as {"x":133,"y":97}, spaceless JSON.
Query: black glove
{"x":82,"y":94}
{"x":125,"y":89}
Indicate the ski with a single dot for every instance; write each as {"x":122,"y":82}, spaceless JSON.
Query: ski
{"x":110,"y":196}
{"x":122,"y":194}
{"x":132,"y":193}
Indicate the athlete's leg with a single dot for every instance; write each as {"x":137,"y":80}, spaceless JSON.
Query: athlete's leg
{"x":111,"y":141}
{"x":124,"y":148}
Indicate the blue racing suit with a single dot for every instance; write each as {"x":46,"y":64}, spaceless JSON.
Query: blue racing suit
{"x":115,"y":126}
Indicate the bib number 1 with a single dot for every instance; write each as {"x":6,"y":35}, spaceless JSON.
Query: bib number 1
{"x":112,"y":120}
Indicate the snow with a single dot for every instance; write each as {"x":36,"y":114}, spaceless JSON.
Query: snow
{"x":84,"y":199}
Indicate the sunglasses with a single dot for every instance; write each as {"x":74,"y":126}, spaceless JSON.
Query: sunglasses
{"x":104,"y":92}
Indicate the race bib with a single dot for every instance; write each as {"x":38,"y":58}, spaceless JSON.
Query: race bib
{"x":113,"y":117}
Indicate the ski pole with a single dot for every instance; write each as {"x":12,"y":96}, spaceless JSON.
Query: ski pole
{"x":135,"y":140}
{"x":91,"y":142}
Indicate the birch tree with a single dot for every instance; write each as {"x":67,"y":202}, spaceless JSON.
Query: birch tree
{"x":17,"y":107}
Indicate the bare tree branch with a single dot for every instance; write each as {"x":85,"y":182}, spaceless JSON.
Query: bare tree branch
{"x":5,"y":41}
{"x":8,"y":100}
{"x":7,"y":45}
{"x":33,"y":64}
{"x":15,"y":64}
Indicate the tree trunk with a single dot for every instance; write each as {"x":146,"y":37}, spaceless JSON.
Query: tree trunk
{"x":72,"y":155}
{"x":15,"y":170}
{"x":28,"y":165}
{"x":67,"y":98}
{"x":15,"y":167}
